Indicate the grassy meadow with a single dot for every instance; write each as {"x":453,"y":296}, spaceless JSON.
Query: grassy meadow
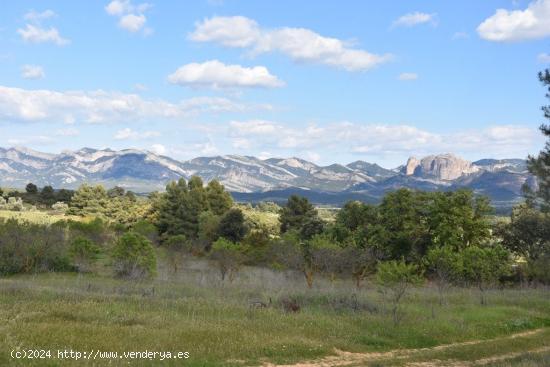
{"x":215,"y":321}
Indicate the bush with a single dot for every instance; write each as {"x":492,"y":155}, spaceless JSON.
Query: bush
{"x":396,"y":277}
{"x":177,"y":246}
{"x":134,"y":256}
{"x":60,"y":207}
{"x":232,"y":226}
{"x":26,"y":248}
{"x":229,"y":257}
{"x":444,"y":263}
{"x":95,"y":230}
{"x":84,"y":253}
{"x":484,"y":266}
{"x":148,"y":230}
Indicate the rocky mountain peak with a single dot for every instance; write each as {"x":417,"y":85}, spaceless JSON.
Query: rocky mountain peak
{"x":442,"y":167}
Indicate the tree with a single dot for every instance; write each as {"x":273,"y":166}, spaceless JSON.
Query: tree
{"x":355,"y":214}
{"x":180,"y":208}
{"x":395,"y":278}
{"x":444,"y":263}
{"x":31,"y":188}
{"x":296,"y":213}
{"x":484,"y":266}
{"x":174,"y":216}
{"x":219,"y":200}
{"x":232,"y":225}
{"x":88,"y":200}
{"x":229,"y":257}
{"x":83,"y":253}
{"x":539,"y":166}
{"x":402,"y":231}
{"x":528,"y":233}
{"x":458,"y":219}
{"x":116,"y":191}
{"x":47,"y":195}
{"x":134,"y":256}
{"x":176,"y":246}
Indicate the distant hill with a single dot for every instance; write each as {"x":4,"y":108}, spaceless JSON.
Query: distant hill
{"x":253,"y":179}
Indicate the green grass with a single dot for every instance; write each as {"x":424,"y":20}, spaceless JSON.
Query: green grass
{"x":194,"y":311}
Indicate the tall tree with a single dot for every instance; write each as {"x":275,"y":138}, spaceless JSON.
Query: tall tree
{"x":219,"y":200}
{"x":539,"y":166}
{"x":297,"y":212}
{"x":31,"y":188}
{"x":232,"y":226}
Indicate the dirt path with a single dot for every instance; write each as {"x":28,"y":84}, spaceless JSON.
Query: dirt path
{"x":342,"y":358}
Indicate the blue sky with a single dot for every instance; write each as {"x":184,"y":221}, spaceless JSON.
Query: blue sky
{"x":335,"y":82}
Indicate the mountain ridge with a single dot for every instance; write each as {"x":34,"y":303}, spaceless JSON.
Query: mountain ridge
{"x":144,"y":171}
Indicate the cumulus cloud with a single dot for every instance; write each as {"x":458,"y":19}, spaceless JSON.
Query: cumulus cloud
{"x":517,"y":25}
{"x":37,"y":34}
{"x":407,"y":76}
{"x":215,"y":74}
{"x":300,"y":44}
{"x":415,"y":18}
{"x":130,"y":17}
{"x":380,"y":139}
{"x":32,"y":72}
{"x":17,"y":104}
{"x":129,"y":134}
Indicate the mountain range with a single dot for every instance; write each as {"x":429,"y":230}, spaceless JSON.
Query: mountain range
{"x":252,"y":179}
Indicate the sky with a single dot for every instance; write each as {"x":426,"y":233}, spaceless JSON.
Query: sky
{"x":327,"y":81}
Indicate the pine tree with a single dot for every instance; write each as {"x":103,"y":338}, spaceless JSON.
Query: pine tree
{"x":219,"y":200}
{"x":540,"y":166}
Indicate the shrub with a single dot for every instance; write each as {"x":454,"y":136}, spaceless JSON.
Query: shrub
{"x":60,"y":207}
{"x":229,"y":257}
{"x":177,"y":246}
{"x":445,"y":265}
{"x":84,"y":253}
{"x":232,"y":226}
{"x":134,"y":256}
{"x":396,"y":277}
{"x":484,"y":266}
{"x":26,"y":247}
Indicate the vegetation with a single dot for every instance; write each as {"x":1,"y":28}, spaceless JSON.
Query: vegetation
{"x":320,"y":272}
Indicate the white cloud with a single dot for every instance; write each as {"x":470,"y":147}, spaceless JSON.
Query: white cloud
{"x":17,"y":104}
{"x":300,"y":44}
{"x":543,"y":58}
{"x":67,"y":132}
{"x":35,"y":140}
{"x":35,"y":17}
{"x":132,"y":22}
{"x":517,"y":25}
{"x":130,"y":17}
{"x":37,"y":34}
{"x":215,"y":74}
{"x":379,"y":139}
{"x":129,"y":134}
{"x":254,"y":127}
{"x":408,"y":76}
{"x":415,"y":18}
{"x":158,"y":149}
{"x":32,"y":72}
